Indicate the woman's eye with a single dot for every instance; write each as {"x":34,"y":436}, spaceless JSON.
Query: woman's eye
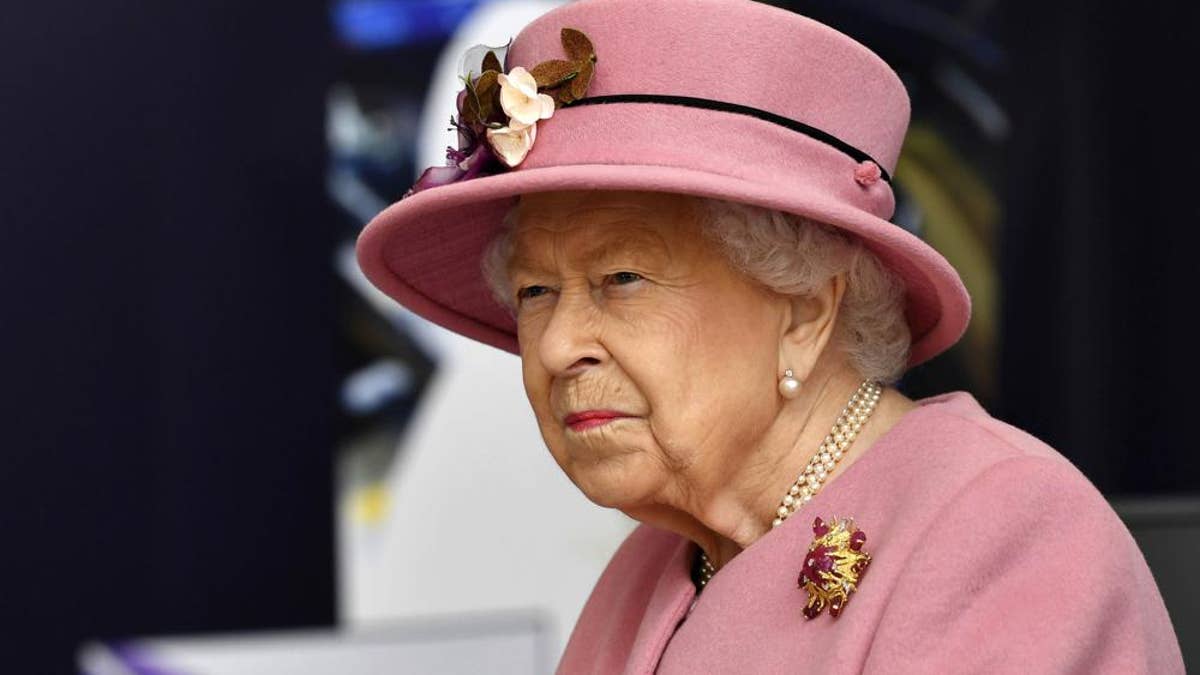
{"x":625,"y":277}
{"x":530,"y":292}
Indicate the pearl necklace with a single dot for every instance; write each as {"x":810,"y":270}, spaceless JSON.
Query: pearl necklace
{"x":820,"y":465}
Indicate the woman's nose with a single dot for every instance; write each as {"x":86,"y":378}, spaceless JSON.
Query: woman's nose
{"x":569,"y":343}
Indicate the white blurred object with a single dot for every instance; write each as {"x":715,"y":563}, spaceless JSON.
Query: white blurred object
{"x":514,"y":642}
{"x":477,"y":514}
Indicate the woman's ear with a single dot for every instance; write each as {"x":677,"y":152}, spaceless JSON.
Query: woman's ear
{"x":809,"y":328}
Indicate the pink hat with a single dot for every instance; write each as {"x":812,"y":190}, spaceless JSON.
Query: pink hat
{"x":731,"y":99}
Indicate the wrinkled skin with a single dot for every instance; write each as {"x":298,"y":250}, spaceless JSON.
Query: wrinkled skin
{"x":623,"y":305}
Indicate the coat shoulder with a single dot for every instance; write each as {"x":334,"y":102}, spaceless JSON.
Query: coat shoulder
{"x":1010,"y":540}
{"x":953,"y":444}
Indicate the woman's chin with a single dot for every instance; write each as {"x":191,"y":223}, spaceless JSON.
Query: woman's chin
{"x":610,"y":499}
{"x":612,"y":482}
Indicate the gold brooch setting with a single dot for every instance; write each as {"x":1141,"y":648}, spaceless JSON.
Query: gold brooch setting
{"x":834,"y":566}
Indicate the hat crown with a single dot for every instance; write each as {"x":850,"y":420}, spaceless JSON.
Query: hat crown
{"x":737,"y":51}
{"x":800,"y":111}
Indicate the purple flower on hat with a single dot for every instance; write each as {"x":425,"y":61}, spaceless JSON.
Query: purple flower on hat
{"x":460,"y":165}
{"x":498,"y":112}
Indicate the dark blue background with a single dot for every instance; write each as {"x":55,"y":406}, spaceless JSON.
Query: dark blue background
{"x":167,"y":323}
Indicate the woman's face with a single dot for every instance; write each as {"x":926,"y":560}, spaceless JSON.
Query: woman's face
{"x":623,"y":307}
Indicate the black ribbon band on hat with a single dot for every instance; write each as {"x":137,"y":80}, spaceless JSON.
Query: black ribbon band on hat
{"x":725,"y":106}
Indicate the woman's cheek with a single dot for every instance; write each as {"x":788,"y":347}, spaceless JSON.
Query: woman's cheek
{"x":660,"y":312}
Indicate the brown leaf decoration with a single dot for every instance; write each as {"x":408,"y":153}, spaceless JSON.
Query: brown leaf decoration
{"x":483,"y":97}
{"x":470,"y":105}
{"x":561,"y":94}
{"x":577,"y":45}
{"x":580,"y":84}
{"x":491,"y":62}
{"x":553,"y":73}
{"x":566,"y":81}
{"x":486,"y":83}
{"x":495,"y":112}
{"x":487,"y":91}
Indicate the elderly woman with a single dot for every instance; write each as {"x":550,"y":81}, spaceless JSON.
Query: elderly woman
{"x":675,"y":212}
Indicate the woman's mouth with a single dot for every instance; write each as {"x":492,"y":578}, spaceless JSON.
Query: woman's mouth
{"x":587,"y":419}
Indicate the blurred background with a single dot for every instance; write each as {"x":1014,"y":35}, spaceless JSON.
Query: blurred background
{"x":223,"y":451}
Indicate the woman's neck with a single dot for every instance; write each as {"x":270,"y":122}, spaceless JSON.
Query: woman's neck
{"x":734,"y":508}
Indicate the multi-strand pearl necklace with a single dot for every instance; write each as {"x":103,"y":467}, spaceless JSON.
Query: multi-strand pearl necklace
{"x":832,"y":449}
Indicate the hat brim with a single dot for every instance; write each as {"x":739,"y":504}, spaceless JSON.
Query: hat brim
{"x":424,"y":251}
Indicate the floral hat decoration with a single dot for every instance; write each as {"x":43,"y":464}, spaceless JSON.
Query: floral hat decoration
{"x":498,"y":112}
{"x":729,"y":99}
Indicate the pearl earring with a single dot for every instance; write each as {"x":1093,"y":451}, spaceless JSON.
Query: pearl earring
{"x":789,"y":386}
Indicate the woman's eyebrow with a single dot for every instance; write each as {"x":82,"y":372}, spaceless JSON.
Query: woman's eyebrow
{"x":524,"y":263}
{"x":640,"y":243}
{"x":642,"y":246}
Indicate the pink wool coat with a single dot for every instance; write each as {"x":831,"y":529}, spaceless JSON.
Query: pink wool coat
{"x":991,"y":553}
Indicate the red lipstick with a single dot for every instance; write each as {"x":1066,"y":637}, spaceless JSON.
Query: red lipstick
{"x":586,"y":419}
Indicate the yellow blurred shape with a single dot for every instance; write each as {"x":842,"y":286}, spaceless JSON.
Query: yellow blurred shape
{"x":369,"y":504}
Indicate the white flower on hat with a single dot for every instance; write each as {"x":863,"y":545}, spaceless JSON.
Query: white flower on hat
{"x":511,"y":145}
{"x":520,"y":99}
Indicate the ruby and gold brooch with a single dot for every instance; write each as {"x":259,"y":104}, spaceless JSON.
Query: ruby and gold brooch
{"x":834,"y":566}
